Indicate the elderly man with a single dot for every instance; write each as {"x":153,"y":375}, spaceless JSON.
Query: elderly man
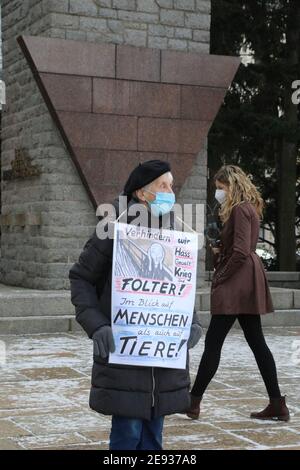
{"x":137,"y":397}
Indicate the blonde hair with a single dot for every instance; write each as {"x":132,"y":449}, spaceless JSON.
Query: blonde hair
{"x":240,"y":188}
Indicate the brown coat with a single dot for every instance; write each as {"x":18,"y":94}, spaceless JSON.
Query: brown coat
{"x":239,"y":281}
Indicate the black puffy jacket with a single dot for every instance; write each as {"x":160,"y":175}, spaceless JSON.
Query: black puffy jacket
{"x":121,"y":390}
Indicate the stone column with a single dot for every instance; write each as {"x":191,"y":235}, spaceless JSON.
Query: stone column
{"x":48,"y":214}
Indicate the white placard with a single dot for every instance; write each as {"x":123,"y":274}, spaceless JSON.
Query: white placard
{"x":153,"y":295}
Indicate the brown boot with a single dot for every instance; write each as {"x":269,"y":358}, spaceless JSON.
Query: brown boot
{"x":194,"y":410}
{"x":276,"y":410}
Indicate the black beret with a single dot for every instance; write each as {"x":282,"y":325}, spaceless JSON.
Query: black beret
{"x":144,"y":173}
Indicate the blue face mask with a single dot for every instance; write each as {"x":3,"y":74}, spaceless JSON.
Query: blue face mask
{"x":162,"y":203}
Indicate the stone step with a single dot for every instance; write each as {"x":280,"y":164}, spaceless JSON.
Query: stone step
{"x":57,"y":303}
{"x":283,"y":299}
{"x":67,"y":323}
{"x":278,"y":318}
{"x":38,"y":324}
{"x":27,"y":311}
{"x":35,"y":303}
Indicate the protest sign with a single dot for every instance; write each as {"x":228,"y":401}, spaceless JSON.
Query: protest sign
{"x":153,"y":294}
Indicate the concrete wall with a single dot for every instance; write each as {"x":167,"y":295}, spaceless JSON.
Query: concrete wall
{"x":39,"y":256}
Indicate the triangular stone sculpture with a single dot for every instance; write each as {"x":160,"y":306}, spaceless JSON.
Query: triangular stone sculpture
{"x":118,"y":105}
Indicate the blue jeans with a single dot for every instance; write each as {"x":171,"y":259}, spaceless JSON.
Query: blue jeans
{"x":136,"y":434}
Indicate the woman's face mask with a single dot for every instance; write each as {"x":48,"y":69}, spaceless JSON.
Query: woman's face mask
{"x":220,"y":195}
{"x":162,"y":203}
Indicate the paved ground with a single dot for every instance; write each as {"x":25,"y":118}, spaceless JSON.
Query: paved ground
{"x":45,"y":387}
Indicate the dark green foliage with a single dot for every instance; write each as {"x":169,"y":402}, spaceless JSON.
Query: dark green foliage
{"x":258,"y":126}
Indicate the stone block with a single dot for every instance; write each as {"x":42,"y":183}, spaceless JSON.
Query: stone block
{"x":197,"y":20}
{"x":93,"y":25}
{"x":157,"y":42}
{"x":100,"y":131}
{"x":149,"y":6}
{"x":196,"y":69}
{"x":187,"y":5}
{"x":171,"y":17}
{"x":135,"y":37}
{"x":177,"y":44}
{"x":75,"y":58}
{"x":124,"y":4}
{"x":170,"y":135}
{"x":136,"y":98}
{"x":69,"y":92}
{"x":135,"y":63}
{"x":86,"y":8}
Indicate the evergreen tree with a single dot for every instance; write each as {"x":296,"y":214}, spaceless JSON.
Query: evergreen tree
{"x":258,"y":125}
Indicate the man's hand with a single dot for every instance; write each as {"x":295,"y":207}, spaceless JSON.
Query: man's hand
{"x":195,"y":335}
{"x":103,"y":341}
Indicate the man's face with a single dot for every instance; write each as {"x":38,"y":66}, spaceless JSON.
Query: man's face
{"x":162,"y":184}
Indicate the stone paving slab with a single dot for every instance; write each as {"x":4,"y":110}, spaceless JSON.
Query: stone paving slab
{"x":45,"y":385}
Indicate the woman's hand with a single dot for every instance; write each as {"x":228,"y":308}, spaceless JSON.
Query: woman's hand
{"x":215,"y":250}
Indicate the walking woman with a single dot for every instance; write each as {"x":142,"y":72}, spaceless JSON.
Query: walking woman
{"x":239,"y":290}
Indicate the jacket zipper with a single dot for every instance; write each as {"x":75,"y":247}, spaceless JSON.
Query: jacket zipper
{"x":153,"y":385}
